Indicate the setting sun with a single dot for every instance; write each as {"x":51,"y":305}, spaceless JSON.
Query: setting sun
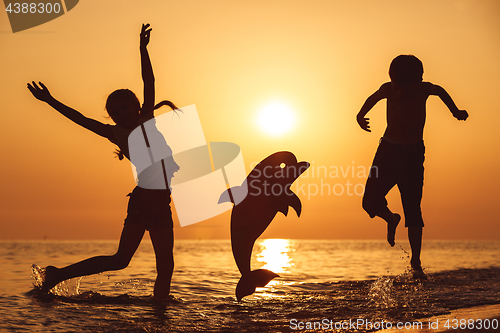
{"x":276,"y":118}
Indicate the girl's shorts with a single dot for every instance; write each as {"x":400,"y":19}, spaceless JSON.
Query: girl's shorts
{"x":150,"y":208}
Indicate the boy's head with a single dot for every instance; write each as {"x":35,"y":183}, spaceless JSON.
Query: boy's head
{"x":406,"y":70}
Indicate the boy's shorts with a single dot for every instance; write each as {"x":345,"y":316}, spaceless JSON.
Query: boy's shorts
{"x":150,"y":208}
{"x":401,"y":165}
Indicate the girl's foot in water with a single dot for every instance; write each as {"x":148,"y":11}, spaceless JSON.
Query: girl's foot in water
{"x":50,"y":280}
{"x":391,"y":228}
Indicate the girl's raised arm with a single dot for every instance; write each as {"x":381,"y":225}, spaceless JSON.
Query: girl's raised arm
{"x":147,"y":72}
{"x":42,"y":93}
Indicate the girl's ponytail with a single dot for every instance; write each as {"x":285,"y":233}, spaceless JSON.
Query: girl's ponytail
{"x":162,"y":103}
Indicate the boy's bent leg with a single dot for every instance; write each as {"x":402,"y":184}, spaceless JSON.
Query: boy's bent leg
{"x":163,"y":244}
{"x":381,"y":181}
{"x":375,"y":204}
{"x":377,"y":207}
{"x":392,"y":220}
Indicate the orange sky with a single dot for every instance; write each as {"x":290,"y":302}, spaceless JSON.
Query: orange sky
{"x":231,"y":58}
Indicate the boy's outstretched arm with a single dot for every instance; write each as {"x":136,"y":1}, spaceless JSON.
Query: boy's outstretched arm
{"x":147,"y":71}
{"x":370,"y":102}
{"x":446,"y":98}
{"x":42,"y":93}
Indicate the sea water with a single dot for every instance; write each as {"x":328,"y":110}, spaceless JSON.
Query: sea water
{"x":321,"y":282}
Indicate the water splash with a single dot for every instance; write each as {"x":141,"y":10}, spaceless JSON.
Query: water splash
{"x":134,"y":286}
{"x":38,"y":274}
{"x":405,"y":255}
{"x":382,"y":292}
{"x":66,"y":288}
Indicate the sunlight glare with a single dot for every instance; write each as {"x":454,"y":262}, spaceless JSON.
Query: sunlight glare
{"x":276,"y":118}
{"x":275,"y":255}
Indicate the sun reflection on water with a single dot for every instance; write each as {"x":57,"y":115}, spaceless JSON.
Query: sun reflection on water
{"x":274,"y":254}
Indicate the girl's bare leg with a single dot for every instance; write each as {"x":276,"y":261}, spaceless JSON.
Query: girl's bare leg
{"x":129,"y":242}
{"x":163,"y":244}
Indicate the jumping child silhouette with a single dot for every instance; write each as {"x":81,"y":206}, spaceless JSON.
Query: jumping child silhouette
{"x":148,"y":209}
{"x":400,"y":156}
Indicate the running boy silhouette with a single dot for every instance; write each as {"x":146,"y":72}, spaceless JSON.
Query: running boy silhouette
{"x":400,"y":156}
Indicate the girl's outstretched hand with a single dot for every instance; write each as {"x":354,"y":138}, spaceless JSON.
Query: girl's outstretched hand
{"x":41,"y":93}
{"x":461,"y":115}
{"x":145,"y":34}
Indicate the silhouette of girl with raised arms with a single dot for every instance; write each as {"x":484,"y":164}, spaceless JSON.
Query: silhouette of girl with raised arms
{"x":148,"y":209}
